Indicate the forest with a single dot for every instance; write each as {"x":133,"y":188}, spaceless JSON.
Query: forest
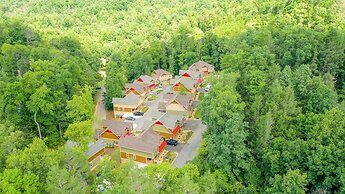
{"x":275,"y":116}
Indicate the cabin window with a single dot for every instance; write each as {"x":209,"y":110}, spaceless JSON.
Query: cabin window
{"x":134,"y":157}
{"x":149,"y":159}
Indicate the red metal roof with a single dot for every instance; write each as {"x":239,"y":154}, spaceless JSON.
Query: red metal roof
{"x":176,"y":130}
{"x":127,"y":134}
{"x":152,"y":85}
{"x":199,"y":80}
{"x":158,"y":123}
{"x":185,"y":75}
{"x":162,"y":146}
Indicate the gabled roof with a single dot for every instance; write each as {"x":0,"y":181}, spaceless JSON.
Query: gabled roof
{"x":130,"y":99}
{"x":169,"y":120}
{"x":183,"y":100}
{"x":146,"y":125}
{"x":169,"y":89}
{"x":147,"y":79}
{"x":147,"y":142}
{"x":188,"y":83}
{"x":143,"y":126}
{"x":173,"y":80}
{"x":139,"y":87}
{"x":200,"y":64}
{"x":160,"y":72}
{"x":161,"y":106}
{"x":71,"y":144}
{"x":118,"y":128}
{"x":192,"y":74}
{"x":156,"y":114}
{"x":94,"y":147}
{"x":168,"y":97}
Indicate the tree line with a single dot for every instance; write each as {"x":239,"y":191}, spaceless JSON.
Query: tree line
{"x":275,"y":115}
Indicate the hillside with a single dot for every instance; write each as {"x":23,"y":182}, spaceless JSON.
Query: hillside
{"x":275,"y":115}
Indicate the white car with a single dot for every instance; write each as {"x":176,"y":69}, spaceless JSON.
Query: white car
{"x":207,"y":88}
{"x":127,"y":115}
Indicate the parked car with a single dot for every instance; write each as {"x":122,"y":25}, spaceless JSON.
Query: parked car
{"x":138,"y":114}
{"x":172,"y":142}
{"x":130,"y":119}
{"x":207,"y":88}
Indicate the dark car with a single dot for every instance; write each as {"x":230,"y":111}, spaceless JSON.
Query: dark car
{"x":138,"y":114}
{"x":172,"y":142}
{"x":130,"y":119}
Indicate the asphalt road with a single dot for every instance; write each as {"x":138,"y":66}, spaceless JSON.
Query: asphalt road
{"x":100,"y":110}
{"x":189,"y":150}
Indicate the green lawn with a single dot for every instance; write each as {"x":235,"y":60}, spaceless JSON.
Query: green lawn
{"x":203,"y":85}
{"x":182,"y":90}
{"x":144,"y":109}
{"x":197,"y":114}
{"x":151,"y":98}
{"x":170,"y":157}
{"x":201,"y":96}
{"x":189,"y":135}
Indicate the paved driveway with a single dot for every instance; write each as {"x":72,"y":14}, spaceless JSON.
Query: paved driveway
{"x":177,"y":148}
{"x":153,"y":106}
{"x":192,"y":125}
{"x":189,"y":150}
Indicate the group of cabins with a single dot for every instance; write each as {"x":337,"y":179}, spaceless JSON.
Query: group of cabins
{"x":166,"y":123}
{"x":186,"y":83}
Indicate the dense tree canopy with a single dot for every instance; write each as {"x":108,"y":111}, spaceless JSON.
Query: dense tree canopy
{"x":275,"y":115}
